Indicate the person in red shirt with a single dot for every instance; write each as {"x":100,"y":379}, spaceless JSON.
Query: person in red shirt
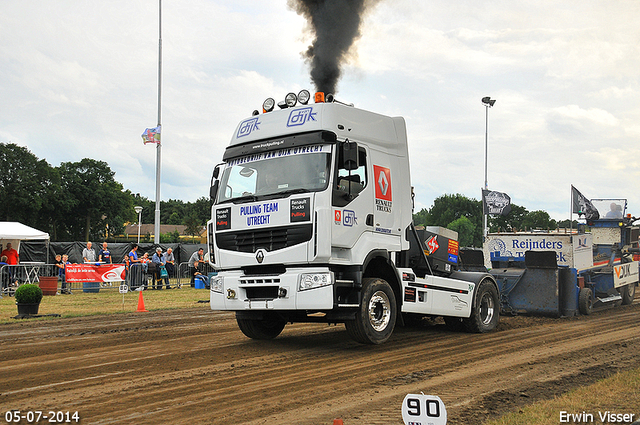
{"x":13,"y":257}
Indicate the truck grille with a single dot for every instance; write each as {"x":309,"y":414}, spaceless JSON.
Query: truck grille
{"x":270,"y":239}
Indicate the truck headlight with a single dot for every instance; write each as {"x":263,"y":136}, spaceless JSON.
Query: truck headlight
{"x":314,"y":280}
{"x":216,"y":283}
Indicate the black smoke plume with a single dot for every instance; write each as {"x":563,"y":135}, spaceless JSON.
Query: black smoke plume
{"x":335,"y":25}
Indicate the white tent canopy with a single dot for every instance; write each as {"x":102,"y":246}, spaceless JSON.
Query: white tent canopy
{"x":18,"y":231}
{"x":13,"y":232}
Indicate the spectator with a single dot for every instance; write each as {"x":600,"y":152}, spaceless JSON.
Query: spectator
{"x":196,"y":257}
{"x":104,"y":256}
{"x":169,"y":263}
{"x":158,"y":260}
{"x":136,"y":278}
{"x":12,"y":255}
{"x":133,"y":255}
{"x":62,"y":274}
{"x":58,"y":265}
{"x":88,"y":254}
{"x":5,"y":276}
{"x":198,"y":273}
{"x":145,"y":262}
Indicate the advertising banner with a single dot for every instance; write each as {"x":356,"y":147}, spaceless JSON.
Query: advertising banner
{"x":570,"y":251}
{"x":95,"y":272}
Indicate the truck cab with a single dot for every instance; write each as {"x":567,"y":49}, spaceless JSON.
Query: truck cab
{"x":312,"y":221}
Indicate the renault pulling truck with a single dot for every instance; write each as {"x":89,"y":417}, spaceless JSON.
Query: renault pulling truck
{"x":312,"y":222}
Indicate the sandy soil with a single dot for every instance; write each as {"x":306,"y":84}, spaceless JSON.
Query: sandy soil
{"x":194,"y":366}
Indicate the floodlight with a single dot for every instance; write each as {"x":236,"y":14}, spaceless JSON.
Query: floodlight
{"x":304,"y":96}
{"x":291,"y":100}
{"x":268,"y":105}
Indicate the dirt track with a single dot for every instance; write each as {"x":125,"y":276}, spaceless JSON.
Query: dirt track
{"x":194,"y":367}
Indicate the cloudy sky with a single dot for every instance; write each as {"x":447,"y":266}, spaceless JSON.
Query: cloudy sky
{"x":78,"y":79}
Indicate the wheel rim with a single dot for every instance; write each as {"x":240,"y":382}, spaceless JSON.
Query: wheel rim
{"x":379,"y":311}
{"x":487,"y":308}
{"x":632,"y":290}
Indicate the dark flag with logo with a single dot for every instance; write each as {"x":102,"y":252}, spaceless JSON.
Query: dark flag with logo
{"x":495,"y":203}
{"x":582,"y":205}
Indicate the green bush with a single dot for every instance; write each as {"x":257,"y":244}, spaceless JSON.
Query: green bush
{"x":28,"y":294}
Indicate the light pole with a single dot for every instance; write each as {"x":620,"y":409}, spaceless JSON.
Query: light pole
{"x":488,"y":103}
{"x":139,"y":211}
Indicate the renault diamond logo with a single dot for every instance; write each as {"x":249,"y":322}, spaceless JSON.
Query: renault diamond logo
{"x":260,"y":256}
{"x":384,"y":184}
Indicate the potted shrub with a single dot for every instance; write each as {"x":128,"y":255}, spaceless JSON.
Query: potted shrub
{"x":28,"y":297}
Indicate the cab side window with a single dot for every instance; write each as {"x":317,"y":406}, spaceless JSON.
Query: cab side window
{"x":349,"y":183}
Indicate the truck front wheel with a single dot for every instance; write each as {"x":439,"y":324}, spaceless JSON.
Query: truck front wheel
{"x":376,"y":316}
{"x":486,"y":311}
{"x":266,"y":328}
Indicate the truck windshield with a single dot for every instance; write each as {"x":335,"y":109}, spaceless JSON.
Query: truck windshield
{"x":285,"y":171}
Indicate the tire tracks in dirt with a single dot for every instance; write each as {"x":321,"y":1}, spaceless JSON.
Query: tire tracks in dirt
{"x":194,"y":366}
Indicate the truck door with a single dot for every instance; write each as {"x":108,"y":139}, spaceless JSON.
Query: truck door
{"x":351,"y":201}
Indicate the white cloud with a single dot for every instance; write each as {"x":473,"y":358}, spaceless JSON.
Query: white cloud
{"x":79,"y":79}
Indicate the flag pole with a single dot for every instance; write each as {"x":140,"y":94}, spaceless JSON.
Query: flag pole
{"x":156,"y":227}
{"x":571,"y":212}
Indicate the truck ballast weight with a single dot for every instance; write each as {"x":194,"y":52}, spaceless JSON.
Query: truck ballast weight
{"x":312,"y":222}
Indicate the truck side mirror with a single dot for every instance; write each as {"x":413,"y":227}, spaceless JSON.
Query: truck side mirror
{"x":215,"y":183}
{"x":213,"y":190}
{"x":350,"y":155}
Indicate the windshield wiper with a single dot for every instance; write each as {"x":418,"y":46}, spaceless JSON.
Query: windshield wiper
{"x":241,"y":199}
{"x":291,"y":191}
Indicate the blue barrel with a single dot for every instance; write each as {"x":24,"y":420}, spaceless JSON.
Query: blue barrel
{"x":91,"y":287}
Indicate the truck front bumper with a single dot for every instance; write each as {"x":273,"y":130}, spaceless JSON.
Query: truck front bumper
{"x":235,"y":291}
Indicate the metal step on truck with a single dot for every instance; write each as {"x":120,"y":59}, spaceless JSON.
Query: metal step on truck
{"x":312,"y":222}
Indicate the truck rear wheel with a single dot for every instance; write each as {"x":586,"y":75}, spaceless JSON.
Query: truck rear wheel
{"x":628,"y":292}
{"x":485,"y":313}
{"x":266,"y":328}
{"x":585,"y":303}
{"x":376,"y":316}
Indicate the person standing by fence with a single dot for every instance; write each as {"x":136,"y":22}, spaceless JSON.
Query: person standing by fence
{"x":158,"y":260}
{"x":169,"y":264}
{"x":88,"y":254}
{"x":104,"y":256}
{"x":13,"y":258}
{"x":62,"y":274}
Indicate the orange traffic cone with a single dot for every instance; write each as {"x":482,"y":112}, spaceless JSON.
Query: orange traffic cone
{"x":141,"y":303}
{"x":338,"y":422}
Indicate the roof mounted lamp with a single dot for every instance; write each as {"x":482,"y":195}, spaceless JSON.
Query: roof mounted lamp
{"x":304,"y":96}
{"x":268,"y":105}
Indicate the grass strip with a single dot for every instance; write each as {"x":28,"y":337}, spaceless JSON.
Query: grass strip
{"x":617,"y":395}
{"x":108,"y":301}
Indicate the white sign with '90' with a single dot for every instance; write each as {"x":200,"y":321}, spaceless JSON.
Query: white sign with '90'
{"x":420,"y":409}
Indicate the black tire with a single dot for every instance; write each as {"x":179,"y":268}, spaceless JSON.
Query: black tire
{"x":585,"y":302}
{"x":485,"y":313}
{"x":376,"y":316}
{"x":267,"y":328}
{"x":455,"y":324}
{"x":628,"y":292}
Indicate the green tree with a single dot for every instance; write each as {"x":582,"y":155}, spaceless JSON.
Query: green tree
{"x":465,"y":229}
{"x":202,"y":209}
{"x":539,"y":220}
{"x":194,"y":226}
{"x":448,"y":208}
{"x":26,"y":183}
{"x":171,"y":237}
{"x":97,"y":199}
{"x":512,"y":222}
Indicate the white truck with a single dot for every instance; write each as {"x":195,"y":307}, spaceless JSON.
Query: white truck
{"x":312,"y":222}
